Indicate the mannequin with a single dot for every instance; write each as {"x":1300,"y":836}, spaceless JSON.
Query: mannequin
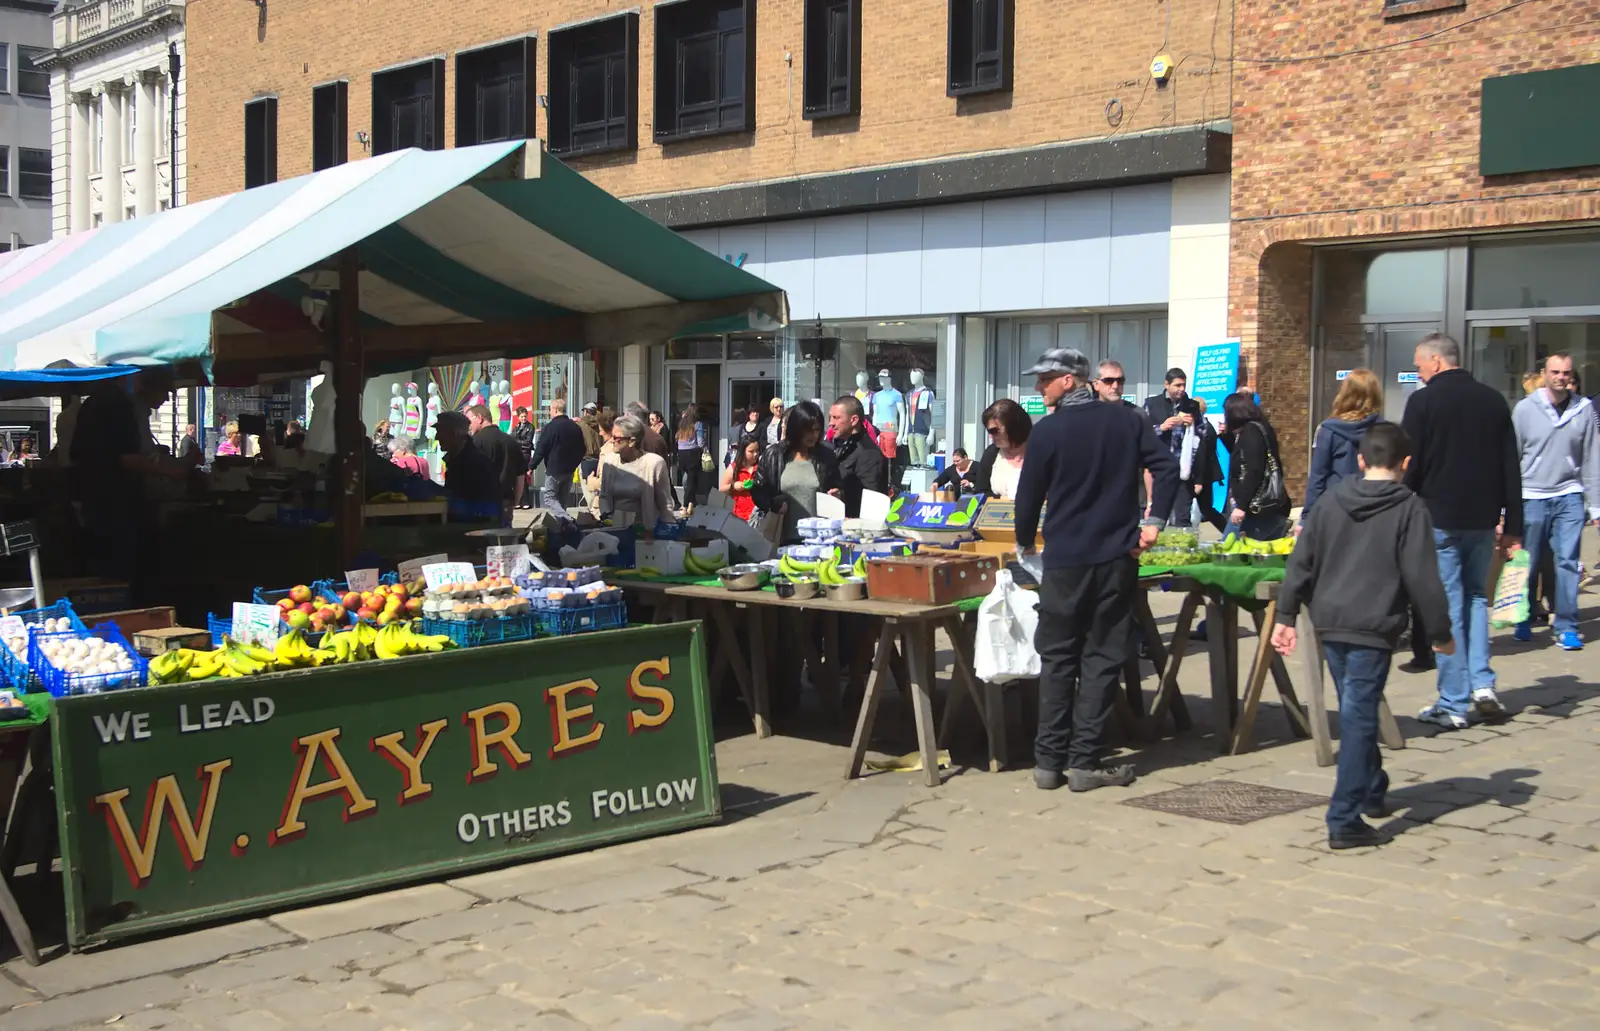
{"x":413,"y":423}
{"x":432,"y":411}
{"x":888,"y":406}
{"x":397,"y":409}
{"x":319,"y":435}
{"x":863,"y":392}
{"x":920,"y":411}
{"x":474,"y":395}
{"x":503,"y":409}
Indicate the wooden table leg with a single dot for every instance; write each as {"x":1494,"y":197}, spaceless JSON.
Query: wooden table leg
{"x":1316,"y":701}
{"x":1388,"y":729}
{"x":760,"y":687}
{"x":1223,"y":641}
{"x":870,"y":699}
{"x":1265,"y":621}
{"x":730,"y":653}
{"x":918,"y":644}
{"x":1255,"y":683}
{"x":1152,"y":633}
{"x":1168,"y":695}
{"x":985,"y":697}
{"x":32,"y":791}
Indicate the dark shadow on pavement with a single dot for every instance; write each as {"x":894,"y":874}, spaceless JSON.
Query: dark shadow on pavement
{"x":1418,"y":804}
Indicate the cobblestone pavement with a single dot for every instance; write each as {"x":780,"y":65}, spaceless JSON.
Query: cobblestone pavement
{"x":983,"y":904}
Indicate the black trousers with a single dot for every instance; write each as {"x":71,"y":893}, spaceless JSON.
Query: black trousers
{"x":1084,"y":637}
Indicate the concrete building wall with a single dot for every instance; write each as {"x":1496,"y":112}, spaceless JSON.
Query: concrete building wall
{"x":24,"y":123}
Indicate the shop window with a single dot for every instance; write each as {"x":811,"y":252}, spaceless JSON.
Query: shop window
{"x":981,"y":46}
{"x":261,"y":142}
{"x":32,"y":81}
{"x":330,"y":125}
{"x":494,"y":98}
{"x":5,"y":171}
{"x":5,"y":67}
{"x":832,"y":58}
{"x":1554,"y":272}
{"x":408,"y":108}
{"x":1355,"y":283}
{"x":594,"y":87}
{"x":695,"y":348}
{"x":705,"y":68}
{"x":33,"y":173}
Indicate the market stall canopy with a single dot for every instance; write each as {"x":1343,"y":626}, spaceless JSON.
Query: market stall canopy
{"x":487,"y":251}
{"x":68,"y":381}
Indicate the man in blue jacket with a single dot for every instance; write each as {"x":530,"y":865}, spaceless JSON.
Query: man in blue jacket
{"x":1085,"y":461}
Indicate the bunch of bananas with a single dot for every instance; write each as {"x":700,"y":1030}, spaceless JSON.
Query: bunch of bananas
{"x":388,"y":497}
{"x":693,"y":565}
{"x":791,"y":566}
{"x":827,"y":570}
{"x":292,"y":651}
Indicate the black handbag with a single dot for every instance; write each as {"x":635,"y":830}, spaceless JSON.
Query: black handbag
{"x":1271,"y":496}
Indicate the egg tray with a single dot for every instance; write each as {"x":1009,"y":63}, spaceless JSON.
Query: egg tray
{"x":17,"y":670}
{"x":61,"y":684}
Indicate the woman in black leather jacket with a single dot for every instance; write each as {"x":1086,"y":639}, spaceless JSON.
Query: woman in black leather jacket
{"x":800,"y":458}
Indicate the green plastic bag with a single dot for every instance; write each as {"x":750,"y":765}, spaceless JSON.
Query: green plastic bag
{"x":1511,"y":595}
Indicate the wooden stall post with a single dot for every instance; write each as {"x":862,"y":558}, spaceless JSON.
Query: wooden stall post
{"x":349,"y":379}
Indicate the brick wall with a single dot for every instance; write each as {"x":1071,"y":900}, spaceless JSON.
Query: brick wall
{"x":1368,"y":143}
{"x":1071,"y":60}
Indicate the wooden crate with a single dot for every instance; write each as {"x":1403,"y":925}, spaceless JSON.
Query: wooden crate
{"x":927,"y":579}
{"x":169,"y":639}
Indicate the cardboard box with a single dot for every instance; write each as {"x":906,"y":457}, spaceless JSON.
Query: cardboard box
{"x":169,"y":639}
{"x":666,"y":556}
{"x":989,"y":547}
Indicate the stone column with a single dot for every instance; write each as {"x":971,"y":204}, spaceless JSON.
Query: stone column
{"x":144,"y":158}
{"x":110,"y":94}
{"x":78,"y":162}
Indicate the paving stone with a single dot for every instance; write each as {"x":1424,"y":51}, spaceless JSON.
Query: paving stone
{"x":178,"y":952}
{"x":373,"y":911}
{"x":645,"y":883}
{"x":94,"y":1006}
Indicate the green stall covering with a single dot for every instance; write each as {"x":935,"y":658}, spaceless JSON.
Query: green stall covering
{"x":189,"y":803}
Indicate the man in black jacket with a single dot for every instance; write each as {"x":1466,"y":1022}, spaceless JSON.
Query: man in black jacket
{"x":861,"y":464}
{"x":561,"y":449}
{"x":1466,"y":467}
{"x":1364,"y":557}
{"x":1084,"y":460}
{"x":1172,"y":414}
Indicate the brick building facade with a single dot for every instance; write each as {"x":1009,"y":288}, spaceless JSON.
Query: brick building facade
{"x":1383,"y":189}
{"x":943,"y":187}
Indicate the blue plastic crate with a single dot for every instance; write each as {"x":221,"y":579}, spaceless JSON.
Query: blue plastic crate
{"x":581,"y":619}
{"x":61,"y":684}
{"x":469,"y":633}
{"x":17,"y":670}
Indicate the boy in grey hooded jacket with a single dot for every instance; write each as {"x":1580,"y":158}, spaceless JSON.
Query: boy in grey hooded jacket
{"x":1559,"y":447}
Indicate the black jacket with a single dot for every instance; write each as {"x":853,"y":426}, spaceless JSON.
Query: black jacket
{"x":470,"y":475}
{"x":954,"y":479}
{"x":1085,"y":460}
{"x":768,"y":491}
{"x":525,"y":436}
{"x":560,"y":447}
{"x":1159,"y":408}
{"x":1247,"y":465}
{"x":1366,"y":556}
{"x":502,"y":452}
{"x":979,"y":472}
{"x":1465,"y":464}
{"x":861,"y":467}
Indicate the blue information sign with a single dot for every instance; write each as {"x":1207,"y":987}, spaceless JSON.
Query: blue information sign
{"x":1216,"y":375}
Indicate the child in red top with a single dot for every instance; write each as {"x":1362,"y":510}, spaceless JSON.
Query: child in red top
{"x":736,"y":478}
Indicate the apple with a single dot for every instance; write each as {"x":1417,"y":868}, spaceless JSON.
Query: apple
{"x":317,"y":625}
{"x":414,"y":606}
{"x":286,"y":604}
{"x":300,"y":594}
{"x":307,"y":608}
{"x":366,"y":614}
{"x":297,"y":619}
{"x":351,"y":600}
{"x":327,"y":615}
{"x":400,"y":591}
{"x":339,"y":612}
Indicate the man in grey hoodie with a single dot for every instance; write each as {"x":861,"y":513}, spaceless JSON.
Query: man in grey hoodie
{"x":1560,"y":452}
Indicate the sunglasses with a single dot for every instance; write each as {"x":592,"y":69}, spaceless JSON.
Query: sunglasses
{"x":1113,"y":380}
{"x":994,"y":431}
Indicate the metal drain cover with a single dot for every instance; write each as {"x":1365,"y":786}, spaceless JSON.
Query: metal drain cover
{"x":1228,"y":801}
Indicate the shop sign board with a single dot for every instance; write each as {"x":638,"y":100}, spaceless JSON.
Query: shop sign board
{"x":224,"y":797}
{"x":1216,"y":375}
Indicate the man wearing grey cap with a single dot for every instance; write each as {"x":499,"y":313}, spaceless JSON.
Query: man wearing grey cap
{"x":1084,"y":461}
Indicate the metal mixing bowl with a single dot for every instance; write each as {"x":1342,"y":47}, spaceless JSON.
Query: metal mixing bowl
{"x":747,"y":576}
{"x":796,"y":588}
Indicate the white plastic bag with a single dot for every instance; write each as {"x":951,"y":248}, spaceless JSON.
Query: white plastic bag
{"x":1003,"y":649}
{"x":1186,"y":452}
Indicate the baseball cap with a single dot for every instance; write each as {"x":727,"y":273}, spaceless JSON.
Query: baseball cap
{"x":1060,"y":361}
{"x":591,"y":407}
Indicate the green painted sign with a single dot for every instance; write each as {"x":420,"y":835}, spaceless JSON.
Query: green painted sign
{"x":229,"y":796}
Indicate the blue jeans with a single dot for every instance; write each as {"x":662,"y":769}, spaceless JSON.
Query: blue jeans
{"x":1359,"y":673}
{"x":1464,"y":557}
{"x":1557,"y":524}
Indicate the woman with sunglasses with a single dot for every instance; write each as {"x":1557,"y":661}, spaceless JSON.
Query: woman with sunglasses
{"x":1000,"y":467}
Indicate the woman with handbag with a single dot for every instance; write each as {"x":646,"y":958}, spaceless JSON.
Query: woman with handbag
{"x":691,"y":454}
{"x":1260,"y":502}
{"x":791,"y":474}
